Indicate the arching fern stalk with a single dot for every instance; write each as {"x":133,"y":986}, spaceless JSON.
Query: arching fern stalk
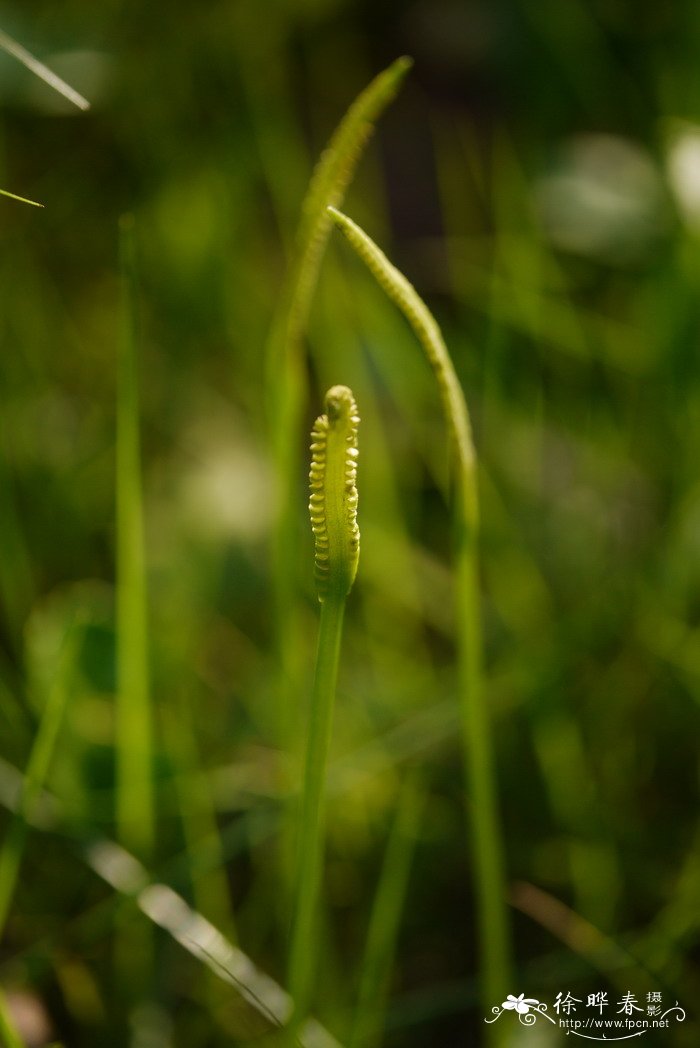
{"x":333,"y":509}
{"x":480,"y":773}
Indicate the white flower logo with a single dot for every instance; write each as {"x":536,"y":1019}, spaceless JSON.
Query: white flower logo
{"x":520,"y":1004}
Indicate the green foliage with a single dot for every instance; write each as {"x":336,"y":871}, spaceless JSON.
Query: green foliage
{"x":534,"y":178}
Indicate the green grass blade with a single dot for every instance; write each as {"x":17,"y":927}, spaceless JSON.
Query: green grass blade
{"x":198,"y":814}
{"x":303,"y":951}
{"x":489,"y":868}
{"x":22,"y":200}
{"x":135,"y":801}
{"x":7,"y":43}
{"x":385,"y":919}
{"x":35,"y":775}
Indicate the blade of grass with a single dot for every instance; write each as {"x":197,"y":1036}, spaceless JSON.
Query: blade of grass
{"x":494,"y":936}
{"x":17,"y":586}
{"x":7,"y":43}
{"x":167,"y":909}
{"x":135,"y":802}
{"x":209,"y":885}
{"x":35,"y":775}
{"x":30,"y":790}
{"x":385,"y":919}
{"x":22,"y":200}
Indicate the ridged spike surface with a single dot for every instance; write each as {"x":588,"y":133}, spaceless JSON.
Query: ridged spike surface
{"x":333,"y":500}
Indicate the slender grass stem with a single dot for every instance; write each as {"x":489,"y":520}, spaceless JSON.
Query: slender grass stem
{"x":198,"y":814}
{"x":135,"y":803}
{"x":490,"y":882}
{"x":303,"y":952}
{"x":22,"y":200}
{"x":385,"y":919}
{"x":7,"y":43}
{"x":35,"y":776}
{"x":32,"y":784}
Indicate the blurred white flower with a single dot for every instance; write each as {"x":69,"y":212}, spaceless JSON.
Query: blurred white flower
{"x":225,"y":485}
{"x":683,"y":171}
{"x":603,"y":197}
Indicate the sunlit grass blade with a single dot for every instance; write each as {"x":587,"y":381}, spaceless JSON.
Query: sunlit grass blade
{"x":385,"y":919}
{"x":135,"y":802}
{"x":209,"y":884}
{"x":22,"y":200}
{"x":480,"y":773}
{"x":7,"y":43}
{"x":17,"y":582}
{"x":35,"y":776}
{"x":30,"y":790}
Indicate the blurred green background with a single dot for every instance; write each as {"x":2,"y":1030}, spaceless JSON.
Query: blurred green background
{"x":538,"y":180}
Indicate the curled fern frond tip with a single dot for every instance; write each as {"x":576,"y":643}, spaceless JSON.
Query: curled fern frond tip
{"x":333,"y":498}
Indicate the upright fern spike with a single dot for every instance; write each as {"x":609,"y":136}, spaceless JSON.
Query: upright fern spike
{"x":333,"y":508}
{"x":333,"y":501}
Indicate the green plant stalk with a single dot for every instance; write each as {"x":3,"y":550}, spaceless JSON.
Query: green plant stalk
{"x":333,"y":511}
{"x":385,"y":920}
{"x":17,"y":586}
{"x":34,"y":777}
{"x":286,"y":371}
{"x":135,"y":805}
{"x":135,"y":801}
{"x":492,"y":907}
{"x":303,"y":952}
{"x":31,"y":62}
{"x":198,"y":815}
{"x":22,"y":200}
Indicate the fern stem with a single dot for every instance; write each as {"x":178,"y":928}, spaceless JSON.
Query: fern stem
{"x":303,"y":952}
{"x":333,"y":512}
{"x":490,"y":881}
{"x":385,"y":918}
